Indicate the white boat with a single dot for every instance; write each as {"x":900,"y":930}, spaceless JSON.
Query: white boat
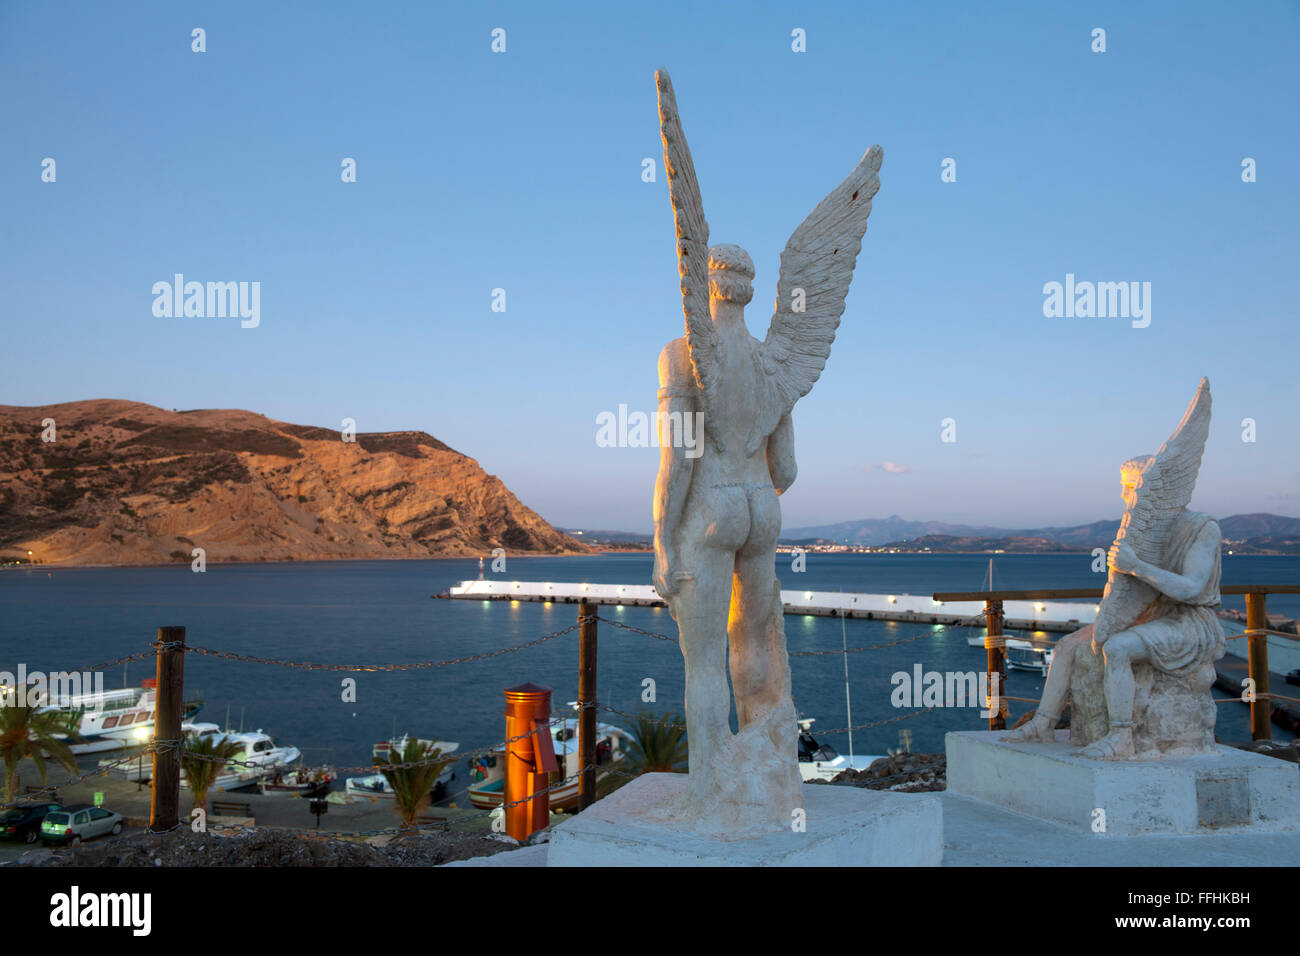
{"x":305,"y":782}
{"x":489,"y":773}
{"x":1029,"y":657}
{"x":259,"y":756}
{"x":819,"y":761}
{"x":376,"y":785}
{"x":115,"y":718}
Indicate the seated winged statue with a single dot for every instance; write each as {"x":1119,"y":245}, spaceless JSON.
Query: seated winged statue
{"x":1139,"y":679}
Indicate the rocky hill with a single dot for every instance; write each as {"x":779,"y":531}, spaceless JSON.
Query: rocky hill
{"x":128,"y":483}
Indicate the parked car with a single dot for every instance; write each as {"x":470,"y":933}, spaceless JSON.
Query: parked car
{"x":73,"y":824}
{"x":24,"y":823}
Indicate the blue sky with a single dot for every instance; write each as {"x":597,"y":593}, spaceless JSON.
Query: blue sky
{"x":522,"y":171}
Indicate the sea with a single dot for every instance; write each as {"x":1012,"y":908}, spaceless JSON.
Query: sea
{"x":382,"y":613}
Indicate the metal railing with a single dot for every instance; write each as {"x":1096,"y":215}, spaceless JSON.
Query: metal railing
{"x":1257,"y":632}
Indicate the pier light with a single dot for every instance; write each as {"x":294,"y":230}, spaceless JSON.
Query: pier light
{"x":1040,"y":607}
{"x":936,"y":603}
{"x":516,"y":584}
{"x":892,"y":599}
{"x":585,"y":586}
{"x":1097,"y":608}
{"x":809,"y":595}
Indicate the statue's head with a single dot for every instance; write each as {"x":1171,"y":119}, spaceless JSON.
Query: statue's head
{"x":731,"y":275}
{"x":1131,"y":475}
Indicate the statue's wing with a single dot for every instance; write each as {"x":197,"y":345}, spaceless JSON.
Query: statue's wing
{"x":692,"y":240}
{"x":1163,"y":491}
{"x":816,"y":269}
{"x":1169,"y":480}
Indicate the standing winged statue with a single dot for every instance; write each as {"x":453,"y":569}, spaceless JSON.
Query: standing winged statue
{"x":1139,"y":679}
{"x":716,"y":515}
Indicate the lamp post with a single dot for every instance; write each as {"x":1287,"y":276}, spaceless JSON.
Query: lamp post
{"x":140,"y":734}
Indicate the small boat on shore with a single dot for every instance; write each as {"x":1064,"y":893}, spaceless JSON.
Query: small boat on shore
{"x":818,"y":761}
{"x":489,"y":773}
{"x":376,"y":785}
{"x":305,"y":782}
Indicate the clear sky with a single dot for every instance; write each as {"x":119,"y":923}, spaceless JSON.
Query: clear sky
{"x":522,"y":171}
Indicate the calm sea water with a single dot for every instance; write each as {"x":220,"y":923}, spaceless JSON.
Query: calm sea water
{"x":381,"y":612}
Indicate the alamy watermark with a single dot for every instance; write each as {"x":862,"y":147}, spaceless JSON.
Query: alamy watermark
{"x":633,"y":430}
{"x":38,"y":689}
{"x":1099,"y":300}
{"x":218,"y":300}
{"x":922,"y":688}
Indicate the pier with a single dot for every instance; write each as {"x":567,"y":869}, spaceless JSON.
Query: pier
{"x":1033,"y":615}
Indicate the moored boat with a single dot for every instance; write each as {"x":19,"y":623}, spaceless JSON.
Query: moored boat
{"x":489,"y":772}
{"x":114,"y":719}
{"x":376,"y":785}
{"x":818,"y":761}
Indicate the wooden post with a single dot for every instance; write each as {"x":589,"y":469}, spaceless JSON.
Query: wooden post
{"x":164,"y":812}
{"x":587,"y":701}
{"x":996,"y":645}
{"x":1261,"y":707}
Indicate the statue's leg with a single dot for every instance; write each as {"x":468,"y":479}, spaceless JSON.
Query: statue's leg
{"x":1042,"y":726}
{"x":1121,"y":652}
{"x":760,"y":666}
{"x":700,"y":607}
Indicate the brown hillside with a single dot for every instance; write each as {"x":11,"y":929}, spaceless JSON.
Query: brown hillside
{"x":128,"y":483}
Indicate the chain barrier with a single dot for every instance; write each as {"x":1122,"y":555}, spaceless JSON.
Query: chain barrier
{"x":371,"y":668}
{"x":54,"y":788}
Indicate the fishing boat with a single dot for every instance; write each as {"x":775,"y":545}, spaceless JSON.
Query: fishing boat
{"x":305,"y":782}
{"x":376,"y":785}
{"x":489,"y":772}
{"x":818,"y":761}
{"x":1025,"y":656}
{"x":259,"y":756}
{"x":113,"y":719}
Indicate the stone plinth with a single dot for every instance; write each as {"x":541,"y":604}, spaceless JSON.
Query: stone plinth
{"x":845,"y":826}
{"x":1226,"y":790}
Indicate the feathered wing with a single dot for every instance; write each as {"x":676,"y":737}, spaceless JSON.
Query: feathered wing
{"x":816,"y":270}
{"x":692,"y":240}
{"x":1164,"y":491}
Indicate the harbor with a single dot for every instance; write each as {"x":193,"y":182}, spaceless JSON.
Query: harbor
{"x":1059,"y":616}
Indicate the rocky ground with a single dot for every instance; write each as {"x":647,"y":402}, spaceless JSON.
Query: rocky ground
{"x":271,"y":848}
{"x":903,"y":772}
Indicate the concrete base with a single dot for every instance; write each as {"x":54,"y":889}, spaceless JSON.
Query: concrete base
{"x":1229,"y":790}
{"x":845,"y":826}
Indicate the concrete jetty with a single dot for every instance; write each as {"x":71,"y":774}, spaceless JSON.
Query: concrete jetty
{"x":913,"y":608}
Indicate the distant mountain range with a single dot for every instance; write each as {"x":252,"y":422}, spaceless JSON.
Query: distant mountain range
{"x":128,"y":483}
{"x":1243,"y":533}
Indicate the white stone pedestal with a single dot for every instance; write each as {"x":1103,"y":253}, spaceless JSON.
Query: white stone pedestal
{"x":1229,"y":790}
{"x":845,"y":826}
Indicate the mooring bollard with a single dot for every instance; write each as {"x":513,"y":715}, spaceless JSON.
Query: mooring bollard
{"x":530,"y":759}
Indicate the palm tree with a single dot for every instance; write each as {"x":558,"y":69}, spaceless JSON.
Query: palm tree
{"x":411,"y":785}
{"x":28,"y":732}
{"x":202,"y":761}
{"x":658,"y":745}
